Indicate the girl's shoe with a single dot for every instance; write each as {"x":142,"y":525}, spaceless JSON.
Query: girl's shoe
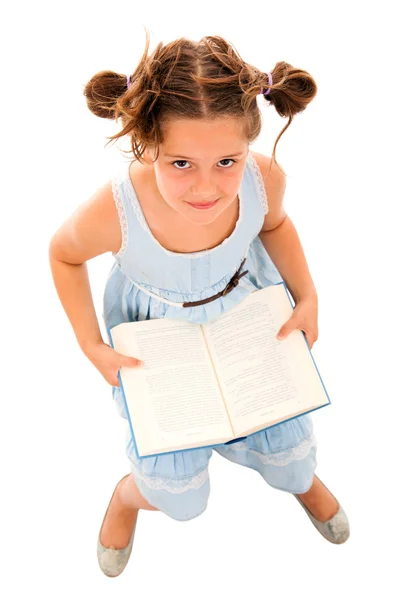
{"x":113,"y":561}
{"x":336,"y":529}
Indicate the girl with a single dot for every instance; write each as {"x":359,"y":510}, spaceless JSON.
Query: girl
{"x":195,"y":223}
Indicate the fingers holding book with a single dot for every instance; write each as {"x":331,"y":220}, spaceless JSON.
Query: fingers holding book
{"x":305,"y":318}
{"x":108,"y":362}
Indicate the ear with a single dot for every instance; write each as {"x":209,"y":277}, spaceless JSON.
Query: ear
{"x":148,"y":155}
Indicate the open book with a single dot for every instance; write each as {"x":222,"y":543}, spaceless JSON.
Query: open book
{"x":206,"y":385}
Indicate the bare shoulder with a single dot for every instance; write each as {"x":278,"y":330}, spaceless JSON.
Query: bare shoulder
{"x":275,"y":184}
{"x":92,"y":229}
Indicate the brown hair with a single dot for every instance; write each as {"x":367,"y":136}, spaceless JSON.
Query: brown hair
{"x":194,"y":80}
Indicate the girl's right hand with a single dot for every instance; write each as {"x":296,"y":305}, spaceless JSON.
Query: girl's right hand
{"x":108,"y":361}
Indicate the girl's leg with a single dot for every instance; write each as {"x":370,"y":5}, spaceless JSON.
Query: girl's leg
{"x":319,"y":501}
{"x":286,"y":468}
{"x":122,"y":514}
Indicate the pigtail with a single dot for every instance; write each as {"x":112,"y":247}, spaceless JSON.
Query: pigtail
{"x":102,"y":92}
{"x":291,"y":92}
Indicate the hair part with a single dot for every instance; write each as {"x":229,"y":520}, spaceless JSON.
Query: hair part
{"x":185,"y":79}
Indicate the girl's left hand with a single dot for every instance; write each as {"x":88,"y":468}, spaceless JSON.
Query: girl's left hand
{"x":305,"y":318}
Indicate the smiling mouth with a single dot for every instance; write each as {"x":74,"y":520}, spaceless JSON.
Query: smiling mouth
{"x":203,"y":204}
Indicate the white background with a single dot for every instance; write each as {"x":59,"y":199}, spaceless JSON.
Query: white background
{"x":62,"y":441}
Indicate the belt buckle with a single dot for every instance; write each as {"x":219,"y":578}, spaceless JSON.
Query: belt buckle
{"x":234,"y":281}
{"x":226,"y":289}
{"x":229,"y":287}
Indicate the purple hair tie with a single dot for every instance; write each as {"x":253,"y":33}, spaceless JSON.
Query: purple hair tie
{"x":128,"y":81}
{"x":269,"y":83}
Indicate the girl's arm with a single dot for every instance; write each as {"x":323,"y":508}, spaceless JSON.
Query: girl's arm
{"x":91,"y":230}
{"x":279,"y":235}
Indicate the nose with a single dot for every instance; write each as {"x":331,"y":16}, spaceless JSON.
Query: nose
{"x":204,"y":187}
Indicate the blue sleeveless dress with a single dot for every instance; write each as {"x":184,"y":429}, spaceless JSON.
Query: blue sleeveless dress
{"x":148,"y":281}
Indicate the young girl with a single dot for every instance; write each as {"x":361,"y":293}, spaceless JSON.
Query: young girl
{"x":195,"y":223}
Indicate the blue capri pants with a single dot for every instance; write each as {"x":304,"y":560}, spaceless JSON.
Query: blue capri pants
{"x":178,"y":483}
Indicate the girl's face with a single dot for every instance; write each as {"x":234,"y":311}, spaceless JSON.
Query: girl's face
{"x":200,"y":166}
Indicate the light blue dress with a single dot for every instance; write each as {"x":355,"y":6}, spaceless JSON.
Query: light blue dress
{"x":149,"y":282}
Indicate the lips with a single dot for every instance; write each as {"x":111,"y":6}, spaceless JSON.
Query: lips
{"x":203,"y":205}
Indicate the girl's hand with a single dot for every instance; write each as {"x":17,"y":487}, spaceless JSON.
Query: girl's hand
{"x":108,"y":361}
{"x":305,"y":318}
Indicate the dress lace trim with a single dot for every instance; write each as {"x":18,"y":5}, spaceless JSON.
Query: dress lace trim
{"x":260,"y":182}
{"x":122,"y":217}
{"x":173,"y":486}
{"x":137,"y":209}
{"x":179,"y":486}
{"x":281,"y":459}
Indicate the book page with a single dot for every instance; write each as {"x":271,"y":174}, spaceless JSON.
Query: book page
{"x":174,"y":399}
{"x":264,"y":380}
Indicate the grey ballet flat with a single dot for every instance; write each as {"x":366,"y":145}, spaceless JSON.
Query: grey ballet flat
{"x":113,"y":561}
{"x":336,"y":530}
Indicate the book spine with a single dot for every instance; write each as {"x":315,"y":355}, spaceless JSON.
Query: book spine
{"x":124,"y":398}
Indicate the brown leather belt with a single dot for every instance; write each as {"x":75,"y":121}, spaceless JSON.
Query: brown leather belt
{"x":229,"y":287}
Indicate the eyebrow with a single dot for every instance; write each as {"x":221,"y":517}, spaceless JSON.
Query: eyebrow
{"x":188,"y":158}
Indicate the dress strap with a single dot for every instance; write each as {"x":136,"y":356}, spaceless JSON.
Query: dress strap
{"x":260,"y":183}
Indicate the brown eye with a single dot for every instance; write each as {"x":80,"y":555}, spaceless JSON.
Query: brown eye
{"x":229,"y":160}
{"x":180,"y":161}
